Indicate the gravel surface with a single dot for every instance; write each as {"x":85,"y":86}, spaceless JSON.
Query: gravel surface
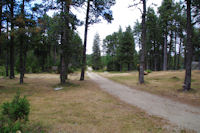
{"x":185,"y":116}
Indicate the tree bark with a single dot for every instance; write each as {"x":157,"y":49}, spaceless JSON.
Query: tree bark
{"x":129,"y":68}
{"x":85,"y":42}
{"x":12,"y":74}
{"x":21,"y":47}
{"x":179,"y":55}
{"x":142,"y":52}
{"x":175,"y":54}
{"x":64,"y":42}
{"x":155,"y":56}
{"x":189,"y":48}
{"x":7,"y":50}
{"x":165,"y":53}
{"x":169,"y":64}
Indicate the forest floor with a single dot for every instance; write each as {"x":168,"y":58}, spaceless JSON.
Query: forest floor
{"x":164,"y":83}
{"x":185,"y":116}
{"x":81,"y":106}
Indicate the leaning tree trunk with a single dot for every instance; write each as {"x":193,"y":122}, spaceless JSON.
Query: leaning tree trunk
{"x":85,"y":43}
{"x":189,"y":48}
{"x":12,"y":74}
{"x":142,"y":52}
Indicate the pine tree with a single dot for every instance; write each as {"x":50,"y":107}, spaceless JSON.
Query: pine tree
{"x":189,"y":49}
{"x":96,"y":55}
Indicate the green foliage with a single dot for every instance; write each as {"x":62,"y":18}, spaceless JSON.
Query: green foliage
{"x":148,"y":71}
{"x":14,"y":114}
{"x":120,"y":50}
{"x":2,"y":71}
{"x":96,"y":56}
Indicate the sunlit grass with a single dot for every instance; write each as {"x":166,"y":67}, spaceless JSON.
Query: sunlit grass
{"x":165,"y":83}
{"x":79,"y":107}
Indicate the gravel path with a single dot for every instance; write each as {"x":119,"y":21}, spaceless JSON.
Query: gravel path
{"x":183,"y":115}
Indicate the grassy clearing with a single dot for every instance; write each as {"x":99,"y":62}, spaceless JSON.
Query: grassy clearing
{"x":168,"y":83}
{"x":80,"y":107}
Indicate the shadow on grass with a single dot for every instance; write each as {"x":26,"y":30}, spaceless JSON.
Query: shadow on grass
{"x":189,"y":91}
{"x":67,"y":86}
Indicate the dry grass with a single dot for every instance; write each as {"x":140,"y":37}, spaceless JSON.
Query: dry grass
{"x":168,"y":83}
{"x":81,"y":107}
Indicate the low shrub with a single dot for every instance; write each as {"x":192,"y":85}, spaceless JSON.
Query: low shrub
{"x":14,"y":114}
{"x":148,"y":71}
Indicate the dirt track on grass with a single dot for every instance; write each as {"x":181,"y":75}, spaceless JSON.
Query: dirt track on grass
{"x":183,"y":115}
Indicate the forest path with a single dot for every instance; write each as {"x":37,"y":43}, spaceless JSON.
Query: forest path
{"x":183,"y":115}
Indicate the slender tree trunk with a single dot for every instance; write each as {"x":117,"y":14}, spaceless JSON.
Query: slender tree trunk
{"x":184,"y":58}
{"x":142,"y":51}
{"x":179,"y":55}
{"x":129,"y":67}
{"x":21,"y":62}
{"x":175,"y":54}
{"x":189,"y":48}
{"x":85,"y":43}
{"x":7,"y":50}
{"x":55,"y":55}
{"x":24,"y":64}
{"x":155,"y":56}
{"x":121,"y":66}
{"x":169,"y":64}
{"x":12,"y":74}
{"x":165,"y":53}
{"x":22,"y":47}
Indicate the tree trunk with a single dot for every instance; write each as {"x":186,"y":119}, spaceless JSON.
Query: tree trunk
{"x":175,"y":55}
{"x":21,"y":61}
{"x":129,"y":68}
{"x":85,"y":42}
{"x":12,"y":74}
{"x":169,"y":64}
{"x":155,"y":56}
{"x":189,"y":48}
{"x":63,"y":70}
{"x":7,"y":51}
{"x":142,"y":52}
{"x":165,"y":53}
{"x":24,"y":64}
{"x":64,"y":42}
{"x":179,"y":55}
{"x":21,"y":47}
{"x":55,"y":54}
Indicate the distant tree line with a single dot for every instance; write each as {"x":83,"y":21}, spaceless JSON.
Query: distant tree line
{"x":32,"y":42}
{"x":168,"y":40}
